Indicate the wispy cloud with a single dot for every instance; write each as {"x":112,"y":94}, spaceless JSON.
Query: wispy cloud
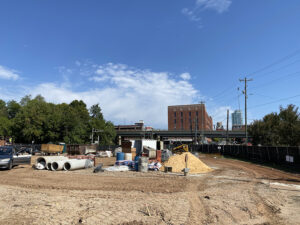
{"x":185,"y":76}
{"x":194,"y":14}
{"x":191,"y":14}
{"x":8,"y":74}
{"x":217,"y":5}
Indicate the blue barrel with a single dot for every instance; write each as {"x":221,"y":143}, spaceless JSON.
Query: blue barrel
{"x":136,"y":163}
{"x":120,"y":156}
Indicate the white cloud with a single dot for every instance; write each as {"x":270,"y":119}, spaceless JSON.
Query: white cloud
{"x":185,"y":76}
{"x":191,"y":14}
{"x":129,"y":94}
{"x":218,"y":5}
{"x":194,"y":14}
{"x":8,"y":74}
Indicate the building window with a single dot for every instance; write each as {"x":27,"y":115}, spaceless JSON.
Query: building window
{"x":181,"y":113}
{"x":190,"y":120}
{"x":197,"y":113}
{"x":197,"y":127}
{"x":190,"y":113}
{"x":175,"y":121}
{"x":174,"y":114}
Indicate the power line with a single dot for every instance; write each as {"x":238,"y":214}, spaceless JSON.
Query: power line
{"x":262,"y":69}
{"x":277,"y":79}
{"x":274,"y":63}
{"x":221,"y":94}
{"x":268,"y":103}
{"x":264,"y":95}
{"x":280,"y":68}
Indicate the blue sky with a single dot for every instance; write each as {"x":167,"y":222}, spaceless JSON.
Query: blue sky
{"x":137,"y":57}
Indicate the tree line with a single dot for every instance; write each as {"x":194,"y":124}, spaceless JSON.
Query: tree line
{"x":35,"y":120}
{"x":277,"y":129}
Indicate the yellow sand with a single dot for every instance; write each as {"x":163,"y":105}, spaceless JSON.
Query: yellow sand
{"x":177,"y":162}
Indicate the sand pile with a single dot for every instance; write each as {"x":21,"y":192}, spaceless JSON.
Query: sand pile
{"x":177,"y":162}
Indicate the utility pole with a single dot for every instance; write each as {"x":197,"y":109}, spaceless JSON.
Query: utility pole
{"x":95,"y":131}
{"x":202,"y":120}
{"x":227,"y":127}
{"x":246,"y":96}
{"x":196,"y":123}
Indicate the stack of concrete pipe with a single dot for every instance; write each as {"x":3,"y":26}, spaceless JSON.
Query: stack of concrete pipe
{"x":62,"y":163}
{"x":44,"y":162}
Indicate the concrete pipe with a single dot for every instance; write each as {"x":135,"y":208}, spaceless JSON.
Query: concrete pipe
{"x":76,"y":164}
{"x":42,"y":162}
{"x":58,"y":165}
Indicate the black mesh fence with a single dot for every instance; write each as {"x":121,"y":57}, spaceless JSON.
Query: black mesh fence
{"x":287,"y":156}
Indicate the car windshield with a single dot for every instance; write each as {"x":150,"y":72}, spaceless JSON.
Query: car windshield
{"x":5,"y":151}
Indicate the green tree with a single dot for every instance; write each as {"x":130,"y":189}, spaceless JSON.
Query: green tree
{"x":30,"y":121}
{"x":79,"y":132}
{"x":3,"y":108}
{"x":95,"y":112}
{"x":13,"y":108}
{"x":42,"y":122}
{"x":274,"y":129}
{"x":108,"y":133}
{"x":5,"y":126}
{"x":289,"y":126}
{"x":25,"y":100}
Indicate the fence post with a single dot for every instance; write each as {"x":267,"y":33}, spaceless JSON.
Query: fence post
{"x":277,"y":154}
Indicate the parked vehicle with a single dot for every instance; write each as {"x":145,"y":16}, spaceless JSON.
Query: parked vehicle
{"x":9,"y":157}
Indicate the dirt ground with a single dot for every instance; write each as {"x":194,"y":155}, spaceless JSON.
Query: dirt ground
{"x":235,"y":192}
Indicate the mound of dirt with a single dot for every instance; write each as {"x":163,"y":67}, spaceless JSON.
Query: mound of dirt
{"x":177,"y":162}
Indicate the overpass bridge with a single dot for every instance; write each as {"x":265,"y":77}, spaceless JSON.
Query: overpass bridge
{"x":166,"y":134}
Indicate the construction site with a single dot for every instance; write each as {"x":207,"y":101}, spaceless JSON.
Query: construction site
{"x":137,"y":183}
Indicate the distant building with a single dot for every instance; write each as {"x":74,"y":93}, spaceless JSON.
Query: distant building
{"x":219,"y":126}
{"x":238,"y":127}
{"x":136,"y":126}
{"x":189,"y":117}
{"x":237,"y":119}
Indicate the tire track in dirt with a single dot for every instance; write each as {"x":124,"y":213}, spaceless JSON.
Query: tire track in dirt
{"x":197,"y":213}
{"x":258,"y":171}
{"x":265,"y":209}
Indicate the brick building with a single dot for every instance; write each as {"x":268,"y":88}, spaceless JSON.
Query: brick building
{"x":189,"y":117}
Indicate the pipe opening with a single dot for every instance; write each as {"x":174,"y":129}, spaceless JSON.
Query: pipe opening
{"x":48,"y":166}
{"x":67,"y":166}
{"x":41,"y":161}
{"x":54,"y":166}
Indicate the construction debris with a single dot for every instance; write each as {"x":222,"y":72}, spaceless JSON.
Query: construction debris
{"x":99,"y":168}
{"x":177,"y":162}
{"x":117,"y":168}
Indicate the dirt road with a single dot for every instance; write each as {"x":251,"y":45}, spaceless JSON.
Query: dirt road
{"x":234,"y":193}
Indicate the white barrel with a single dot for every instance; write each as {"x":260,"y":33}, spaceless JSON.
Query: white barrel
{"x":128,"y":156}
{"x":143,"y":164}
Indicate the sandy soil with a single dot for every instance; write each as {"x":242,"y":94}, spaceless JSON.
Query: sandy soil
{"x":234,"y":193}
